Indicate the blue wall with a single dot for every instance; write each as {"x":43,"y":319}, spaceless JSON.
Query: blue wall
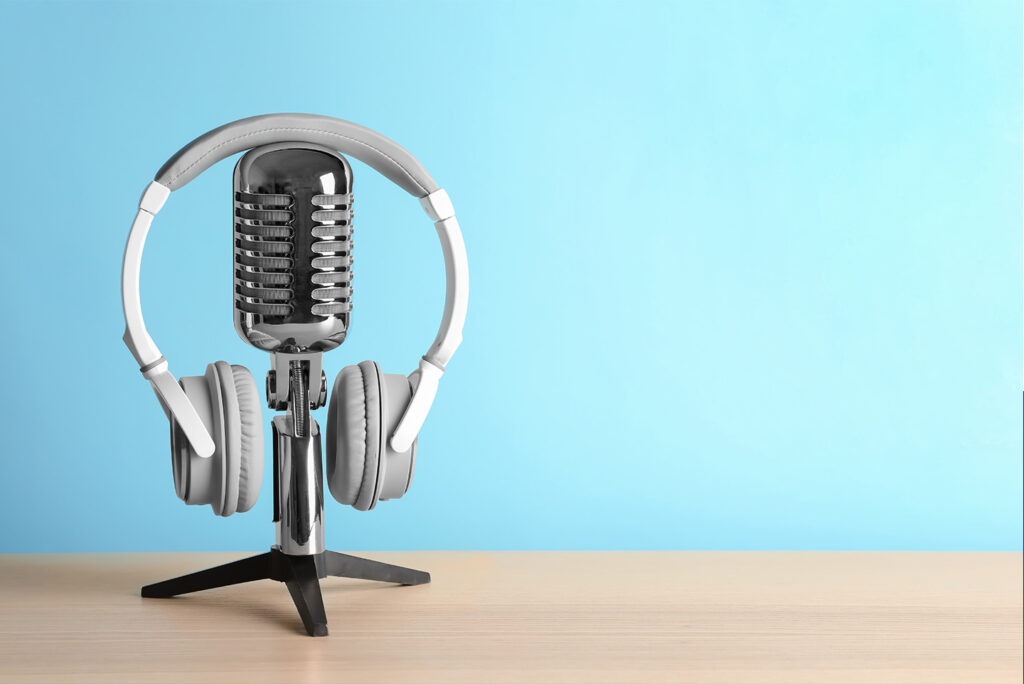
{"x":745,"y":275}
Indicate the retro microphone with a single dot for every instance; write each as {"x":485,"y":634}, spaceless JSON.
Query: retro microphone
{"x":293,"y":248}
{"x":292,"y":263}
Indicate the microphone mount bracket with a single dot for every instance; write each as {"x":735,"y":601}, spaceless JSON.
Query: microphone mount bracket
{"x":279,"y":378}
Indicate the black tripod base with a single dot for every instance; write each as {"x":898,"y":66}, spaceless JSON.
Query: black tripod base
{"x":301,"y":574}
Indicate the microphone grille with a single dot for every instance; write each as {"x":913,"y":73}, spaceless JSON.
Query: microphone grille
{"x":263,"y":253}
{"x":332,"y":245}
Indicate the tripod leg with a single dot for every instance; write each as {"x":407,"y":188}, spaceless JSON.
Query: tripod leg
{"x":304,"y":586}
{"x":236,"y":572}
{"x":343,"y":565}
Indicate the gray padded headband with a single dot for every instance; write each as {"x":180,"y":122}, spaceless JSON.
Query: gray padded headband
{"x":382,"y":154}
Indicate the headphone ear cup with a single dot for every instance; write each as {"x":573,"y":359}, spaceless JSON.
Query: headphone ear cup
{"x":197,"y":481}
{"x":227,"y":402}
{"x":398,"y":466}
{"x":354,"y":435}
{"x":364,"y":410}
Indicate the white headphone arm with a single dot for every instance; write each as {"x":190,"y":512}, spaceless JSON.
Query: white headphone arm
{"x":384,"y":155}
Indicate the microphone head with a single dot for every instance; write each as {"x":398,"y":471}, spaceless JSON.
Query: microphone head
{"x":292,"y":247}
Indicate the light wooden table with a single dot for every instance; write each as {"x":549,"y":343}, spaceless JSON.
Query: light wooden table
{"x":528,"y":617}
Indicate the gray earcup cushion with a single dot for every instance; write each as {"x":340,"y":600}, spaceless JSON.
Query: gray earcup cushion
{"x":250,"y":471}
{"x":354,"y":436}
{"x":229,"y":447}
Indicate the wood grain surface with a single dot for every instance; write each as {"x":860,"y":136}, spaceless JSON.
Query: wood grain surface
{"x":528,"y":617}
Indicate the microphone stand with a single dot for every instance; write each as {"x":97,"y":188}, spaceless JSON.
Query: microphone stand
{"x":299,"y":558}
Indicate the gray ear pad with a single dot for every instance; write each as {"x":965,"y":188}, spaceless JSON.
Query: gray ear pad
{"x":225,"y":412}
{"x":354,"y":435}
{"x":250,"y":414}
{"x":365,"y":408}
{"x":228,"y":404}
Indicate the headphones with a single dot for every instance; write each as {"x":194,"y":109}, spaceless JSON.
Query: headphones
{"x":373,"y":418}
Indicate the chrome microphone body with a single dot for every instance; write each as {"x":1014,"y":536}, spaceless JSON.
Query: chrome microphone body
{"x":292,"y":247}
{"x":292,"y":298}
